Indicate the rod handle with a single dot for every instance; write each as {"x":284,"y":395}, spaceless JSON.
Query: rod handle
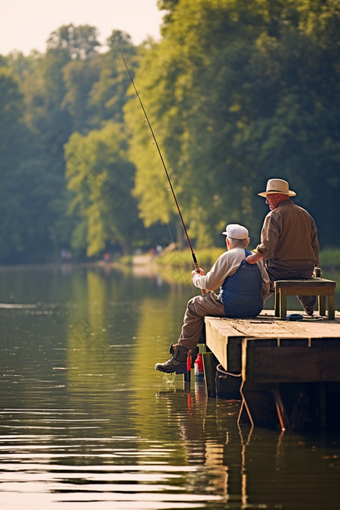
{"x":197,"y":267}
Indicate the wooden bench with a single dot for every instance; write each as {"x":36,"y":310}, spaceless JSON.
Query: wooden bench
{"x":312,"y":287}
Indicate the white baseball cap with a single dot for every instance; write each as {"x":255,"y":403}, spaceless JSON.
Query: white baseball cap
{"x":236,"y":231}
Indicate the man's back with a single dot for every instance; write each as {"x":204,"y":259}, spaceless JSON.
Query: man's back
{"x":289,"y":241}
{"x":289,"y":236}
{"x":242,"y":291}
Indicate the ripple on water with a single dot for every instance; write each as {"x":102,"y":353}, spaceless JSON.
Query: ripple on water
{"x":93,"y":425}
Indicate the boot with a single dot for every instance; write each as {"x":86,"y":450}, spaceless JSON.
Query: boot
{"x":178,"y":362}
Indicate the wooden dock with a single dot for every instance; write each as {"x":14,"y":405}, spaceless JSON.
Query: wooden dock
{"x":289,"y":372}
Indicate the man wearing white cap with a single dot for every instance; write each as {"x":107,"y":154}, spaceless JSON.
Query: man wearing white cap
{"x":289,"y":241}
{"x":243,"y":288}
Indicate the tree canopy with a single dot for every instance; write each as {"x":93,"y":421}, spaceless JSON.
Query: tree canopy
{"x":240,"y":92}
{"x":236,"y":91}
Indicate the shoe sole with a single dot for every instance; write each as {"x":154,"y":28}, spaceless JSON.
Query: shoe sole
{"x":166,"y":371}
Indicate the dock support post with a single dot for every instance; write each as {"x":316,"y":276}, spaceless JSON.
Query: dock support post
{"x":187,"y":377}
{"x":187,"y":374}
{"x":209,"y":373}
{"x":244,"y":408}
{"x":280,"y":409}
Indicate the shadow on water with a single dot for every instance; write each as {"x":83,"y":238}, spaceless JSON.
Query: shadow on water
{"x":85,"y":418}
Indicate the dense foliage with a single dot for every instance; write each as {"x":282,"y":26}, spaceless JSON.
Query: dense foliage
{"x":240,"y":91}
{"x":236,"y":91}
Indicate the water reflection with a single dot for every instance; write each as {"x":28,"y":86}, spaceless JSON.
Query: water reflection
{"x":85,"y":418}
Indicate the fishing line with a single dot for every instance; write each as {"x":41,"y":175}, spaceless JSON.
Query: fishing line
{"x":146,"y":166}
{"x":160,"y":155}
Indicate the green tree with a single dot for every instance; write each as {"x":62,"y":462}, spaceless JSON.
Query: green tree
{"x":25,"y":191}
{"x":56,"y":87}
{"x":238,"y":92}
{"x":74,"y":42}
{"x":184,"y":85}
{"x":101,"y":177}
{"x":107,"y":96}
{"x":79,"y":78}
{"x":70,"y":88}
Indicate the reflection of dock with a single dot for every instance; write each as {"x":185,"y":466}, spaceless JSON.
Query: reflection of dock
{"x":290,"y":370}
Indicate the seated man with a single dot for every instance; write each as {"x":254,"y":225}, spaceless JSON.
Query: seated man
{"x":289,"y":241}
{"x":243,"y":287}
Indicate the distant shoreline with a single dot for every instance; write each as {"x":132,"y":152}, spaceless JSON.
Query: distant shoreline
{"x":329,"y":260}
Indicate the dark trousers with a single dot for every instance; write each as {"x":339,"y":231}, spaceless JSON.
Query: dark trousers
{"x":280,"y":272}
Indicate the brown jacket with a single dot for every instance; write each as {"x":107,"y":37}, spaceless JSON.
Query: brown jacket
{"x":289,"y":236}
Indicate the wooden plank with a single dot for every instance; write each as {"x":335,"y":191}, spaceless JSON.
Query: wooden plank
{"x":234,"y":348}
{"x":247,"y":366}
{"x":218,"y":334}
{"x":290,"y":364}
{"x":287,"y":329}
{"x":223,"y":324}
{"x":306,"y":291}
{"x":293,"y":342}
{"x":315,"y":282}
{"x":217,"y":343}
{"x":268,"y":315}
{"x":274,"y":329}
{"x":318,"y":329}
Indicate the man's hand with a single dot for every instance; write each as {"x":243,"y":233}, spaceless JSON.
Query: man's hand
{"x":252,"y":259}
{"x":201,"y":273}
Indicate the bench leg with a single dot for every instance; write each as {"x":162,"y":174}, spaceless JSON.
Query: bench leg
{"x":322,"y":305}
{"x":331,"y":307}
{"x":277,"y":303}
{"x":283,"y":305}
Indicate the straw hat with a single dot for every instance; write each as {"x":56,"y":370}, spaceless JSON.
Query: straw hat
{"x":277,"y":186}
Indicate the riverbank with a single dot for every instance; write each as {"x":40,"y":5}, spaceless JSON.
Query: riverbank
{"x":175,"y":266}
{"x":329,"y":258}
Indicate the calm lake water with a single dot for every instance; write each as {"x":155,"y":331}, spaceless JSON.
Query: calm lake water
{"x":87,"y":423}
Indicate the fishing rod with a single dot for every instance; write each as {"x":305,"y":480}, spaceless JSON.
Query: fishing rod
{"x":162,"y":159}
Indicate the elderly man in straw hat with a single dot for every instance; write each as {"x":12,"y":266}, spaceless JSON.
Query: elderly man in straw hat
{"x":243,"y":288}
{"x":289,"y":241}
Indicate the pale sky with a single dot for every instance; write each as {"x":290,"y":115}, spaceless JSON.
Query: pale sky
{"x":26,"y":24}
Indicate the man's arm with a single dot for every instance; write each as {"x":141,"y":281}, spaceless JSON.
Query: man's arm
{"x":225,"y":265}
{"x":253,"y":259}
{"x":265,"y":281}
{"x":270,"y":234}
{"x":315,"y":243}
{"x":212,"y":280}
